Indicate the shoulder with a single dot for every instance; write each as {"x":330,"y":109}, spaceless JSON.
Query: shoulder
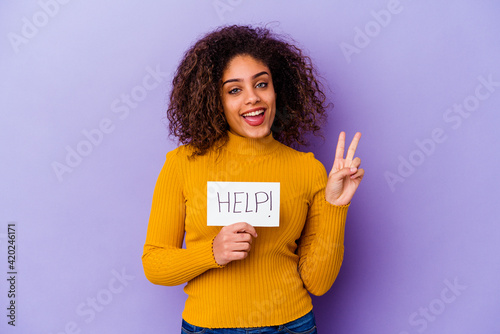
{"x":176,"y":158}
{"x":307,"y":158}
{"x":302,"y":161}
{"x":184,"y":157}
{"x":180,"y":153}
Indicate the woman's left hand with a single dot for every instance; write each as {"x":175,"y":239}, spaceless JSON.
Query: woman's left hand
{"x":345,"y":176}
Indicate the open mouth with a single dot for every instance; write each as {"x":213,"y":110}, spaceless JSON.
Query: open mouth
{"x":255,"y":118}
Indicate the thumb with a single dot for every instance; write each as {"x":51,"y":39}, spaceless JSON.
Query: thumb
{"x":242,"y":227}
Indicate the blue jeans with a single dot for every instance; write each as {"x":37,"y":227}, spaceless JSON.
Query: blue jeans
{"x":303,"y":325}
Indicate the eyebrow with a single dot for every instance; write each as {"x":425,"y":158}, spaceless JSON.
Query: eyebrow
{"x":238,"y":80}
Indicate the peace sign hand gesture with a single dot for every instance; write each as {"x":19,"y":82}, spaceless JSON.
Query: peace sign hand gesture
{"x":345,"y":177}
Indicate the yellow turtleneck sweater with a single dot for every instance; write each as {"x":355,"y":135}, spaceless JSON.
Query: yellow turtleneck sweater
{"x":270,"y":286}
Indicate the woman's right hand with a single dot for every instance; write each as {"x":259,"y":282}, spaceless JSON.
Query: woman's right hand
{"x":233,"y":242}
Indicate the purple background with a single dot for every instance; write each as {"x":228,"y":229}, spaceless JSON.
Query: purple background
{"x":66,"y":66}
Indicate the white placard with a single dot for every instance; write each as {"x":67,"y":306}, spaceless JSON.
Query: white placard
{"x":255,"y":203}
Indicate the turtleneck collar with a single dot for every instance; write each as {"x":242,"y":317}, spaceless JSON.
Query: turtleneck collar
{"x":250,"y":146}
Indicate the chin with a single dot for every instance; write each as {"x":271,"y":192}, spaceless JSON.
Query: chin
{"x":257,"y":134}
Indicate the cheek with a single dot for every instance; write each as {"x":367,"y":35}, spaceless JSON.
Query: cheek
{"x":272,"y":101}
{"x":230,"y":111}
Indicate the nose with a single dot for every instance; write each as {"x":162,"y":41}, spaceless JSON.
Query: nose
{"x":252,"y":97}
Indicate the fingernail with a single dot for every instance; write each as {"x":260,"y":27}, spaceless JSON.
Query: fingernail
{"x":353,"y":169}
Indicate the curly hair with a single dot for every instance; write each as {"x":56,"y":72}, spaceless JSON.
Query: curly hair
{"x":195,"y":111}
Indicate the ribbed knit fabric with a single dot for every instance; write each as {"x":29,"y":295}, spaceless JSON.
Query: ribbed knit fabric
{"x":269,"y":287}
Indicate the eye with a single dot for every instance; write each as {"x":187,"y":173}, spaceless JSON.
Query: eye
{"x":234,"y":91}
{"x":261,"y":85}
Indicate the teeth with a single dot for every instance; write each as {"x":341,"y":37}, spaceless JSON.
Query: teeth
{"x":254,"y":113}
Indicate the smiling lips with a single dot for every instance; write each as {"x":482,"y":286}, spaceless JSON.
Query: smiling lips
{"x":254,"y":117}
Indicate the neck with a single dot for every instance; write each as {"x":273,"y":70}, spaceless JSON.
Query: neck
{"x":251,"y":146}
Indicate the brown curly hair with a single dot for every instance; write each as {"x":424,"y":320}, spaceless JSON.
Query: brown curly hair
{"x":195,"y":112}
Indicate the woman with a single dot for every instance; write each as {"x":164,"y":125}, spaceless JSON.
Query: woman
{"x":239,"y":97}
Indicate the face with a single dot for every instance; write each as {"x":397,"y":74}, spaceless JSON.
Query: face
{"x":248,"y":97}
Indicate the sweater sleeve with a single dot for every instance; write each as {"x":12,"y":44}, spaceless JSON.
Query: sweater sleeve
{"x":321,"y":246}
{"x":164,"y":260}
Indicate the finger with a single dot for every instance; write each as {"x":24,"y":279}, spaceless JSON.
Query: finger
{"x":347,"y":171}
{"x":240,"y":247}
{"x":356,"y":162}
{"x":238,"y":255}
{"x":242,"y":228}
{"x":339,"y":153}
{"x":243,"y":237}
{"x":359,"y":174}
{"x":352,"y":149}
